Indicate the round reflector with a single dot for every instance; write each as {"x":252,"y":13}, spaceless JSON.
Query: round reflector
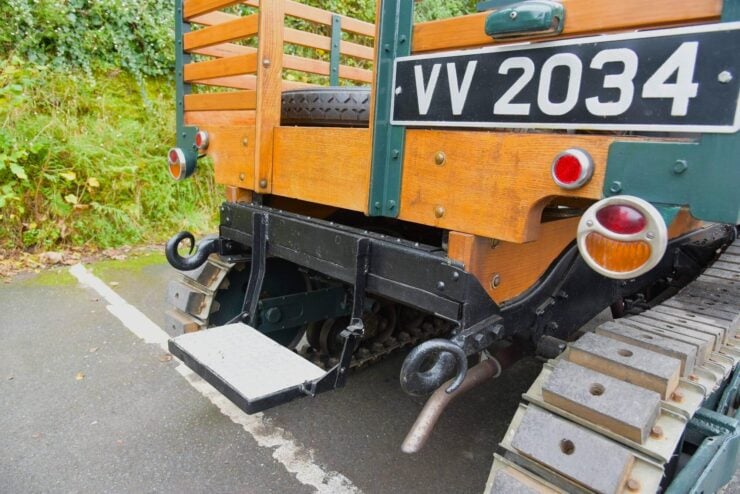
{"x":622,"y":237}
{"x":201,"y":140}
{"x":572,"y":168}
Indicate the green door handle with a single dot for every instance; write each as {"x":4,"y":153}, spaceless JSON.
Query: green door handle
{"x":532,"y":17}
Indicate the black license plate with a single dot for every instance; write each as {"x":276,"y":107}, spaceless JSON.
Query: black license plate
{"x":671,"y":80}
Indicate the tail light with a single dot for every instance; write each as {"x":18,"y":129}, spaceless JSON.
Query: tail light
{"x":622,"y":237}
{"x":572,"y":169}
{"x":201,"y":140}
{"x":177,"y":164}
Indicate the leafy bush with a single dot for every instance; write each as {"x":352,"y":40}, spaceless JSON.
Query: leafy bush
{"x":82,"y":160}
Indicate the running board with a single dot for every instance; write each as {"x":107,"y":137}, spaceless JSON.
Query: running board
{"x":250,"y":369}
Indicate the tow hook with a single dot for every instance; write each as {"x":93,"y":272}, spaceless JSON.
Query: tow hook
{"x":205,"y":248}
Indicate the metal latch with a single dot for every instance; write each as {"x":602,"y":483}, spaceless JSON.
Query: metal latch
{"x":532,"y":17}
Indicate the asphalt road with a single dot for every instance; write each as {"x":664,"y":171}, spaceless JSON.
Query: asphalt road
{"x":87,"y":406}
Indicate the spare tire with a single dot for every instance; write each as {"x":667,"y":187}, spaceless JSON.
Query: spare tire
{"x":327,"y":106}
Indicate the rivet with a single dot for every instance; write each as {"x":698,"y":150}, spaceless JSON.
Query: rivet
{"x":495,"y":280}
{"x":439,"y":211}
{"x":724,"y":77}
{"x":615,"y":187}
{"x":395,"y":154}
{"x":650,"y":235}
{"x":513,"y":14}
{"x":391,"y":205}
{"x":633,"y":485}
{"x":440,"y":158}
{"x":387,"y":47}
{"x":455,"y":276}
{"x":245,"y":142}
{"x":656,"y":432}
{"x":402,"y":39}
{"x":263,"y":183}
{"x":441,"y":286}
{"x":241,"y":177}
{"x":266,"y":62}
{"x":377,"y":205}
{"x":399,"y":90}
{"x":589,"y":223}
{"x":680,"y":166}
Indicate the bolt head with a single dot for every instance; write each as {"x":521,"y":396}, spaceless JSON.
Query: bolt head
{"x":245,"y":142}
{"x":439,"y":211}
{"x":513,"y":14}
{"x":656,"y":432}
{"x":680,"y":167}
{"x":441,"y":286}
{"x":242,"y":177}
{"x":615,"y":187}
{"x":724,"y":77}
{"x":440,"y":158}
{"x":266,"y":63}
{"x":263,"y":183}
{"x":495,"y":280}
{"x":399,"y":90}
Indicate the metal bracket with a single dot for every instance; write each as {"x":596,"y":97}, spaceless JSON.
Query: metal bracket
{"x":336,"y":43}
{"x":394,"y":40}
{"x":185,"y":134}
{"x":480,"y":336}
{"x":257,"y":273}
{"x":533,"y":17}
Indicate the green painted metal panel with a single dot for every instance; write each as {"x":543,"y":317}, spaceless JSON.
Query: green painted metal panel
{"x":336,"y":39}
{"x":703,"y":175}
{"x":394,"y":40}
{"x":185,"y":134}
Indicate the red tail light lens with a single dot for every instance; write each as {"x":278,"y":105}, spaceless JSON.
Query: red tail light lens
{"x":201,"y":140}
{"x":572,"y":169}
{"x":622,"y":219}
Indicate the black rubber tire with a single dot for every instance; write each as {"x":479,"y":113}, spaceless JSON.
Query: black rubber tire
{"x":328,"y":107}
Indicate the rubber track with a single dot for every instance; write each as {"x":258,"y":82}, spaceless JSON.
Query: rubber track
{"x":710,"y":305}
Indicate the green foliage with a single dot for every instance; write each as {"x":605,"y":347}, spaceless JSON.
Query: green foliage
{"x":82,"y":161}
{"x":91,"y":35}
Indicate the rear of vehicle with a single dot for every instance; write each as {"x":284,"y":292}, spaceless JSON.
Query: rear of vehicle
{"x":474,"y":189}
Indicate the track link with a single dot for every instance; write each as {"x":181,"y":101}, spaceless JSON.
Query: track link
{"x":610,"y":412}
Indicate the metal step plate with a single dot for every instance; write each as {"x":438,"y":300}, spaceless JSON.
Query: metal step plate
{"x":249,"y":368}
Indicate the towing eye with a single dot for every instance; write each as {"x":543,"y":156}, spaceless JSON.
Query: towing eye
{"x":206,"y":247}
{"x":448,"y":360}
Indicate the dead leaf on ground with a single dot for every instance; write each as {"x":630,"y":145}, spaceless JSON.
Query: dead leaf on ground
{"x":165,"y":358}
{"x":114,"y":283}
{"x":80,"y":376}
{"x":94,"y":349}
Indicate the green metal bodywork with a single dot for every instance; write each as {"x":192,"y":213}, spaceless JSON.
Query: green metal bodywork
{"x":185,"y":134}
{"x":394,"y":40}
{"x":526,"y":18}
{"x":336,"y":40}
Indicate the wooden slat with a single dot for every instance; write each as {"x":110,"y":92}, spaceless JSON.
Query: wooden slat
{"x":196,"y":7}
{"x":269,"y":87}
{"x":310,"y":40}
{"x":240,"y":28}
{"x":224,"y":50}
{"x":213,"y":18}
{"x":301,"y":170}
{"x":222,"y":67}
{"x":249,"y":82}
{"x":236,"y":100}
{"x":312,"y":66}
{"x":503,"y":195}
{"x":583,"y":17}
{"x":233,"y":118}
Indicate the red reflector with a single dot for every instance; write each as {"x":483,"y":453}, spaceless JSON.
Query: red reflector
{"x":620,"y":218}
{"x":201,"y":140}
{"x":568,"y":169}
{"x":173,"y":156}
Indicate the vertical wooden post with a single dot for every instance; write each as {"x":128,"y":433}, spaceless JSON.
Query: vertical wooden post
{"x":269,"y":89}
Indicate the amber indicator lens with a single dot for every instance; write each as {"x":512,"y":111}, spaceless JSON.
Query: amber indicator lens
{"x":615,"y":255}
{"x":620,"y":218}
{"x":175,"y":170}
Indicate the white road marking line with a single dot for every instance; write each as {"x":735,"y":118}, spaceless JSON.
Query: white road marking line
{"x":296,"y":459}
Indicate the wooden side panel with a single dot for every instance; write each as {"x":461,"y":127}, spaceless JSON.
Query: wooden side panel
{"x":220,"y":118}
{"x":582,"y":17}
{"x":232,"y":151}
{"x":515,"y":266}
{"x":492,"y":184}
{"x":235,"y":100}
{"x":242,"y":27}
{"x":328,"y":166}
{"x":222,"y":67}
{"x":269,"y":87}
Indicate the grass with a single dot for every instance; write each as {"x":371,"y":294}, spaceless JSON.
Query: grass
{"x":82,"y":161}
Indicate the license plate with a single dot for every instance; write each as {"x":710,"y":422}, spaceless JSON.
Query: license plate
{"x":671,"y":80}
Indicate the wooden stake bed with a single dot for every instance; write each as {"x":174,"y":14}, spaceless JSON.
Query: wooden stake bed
{"x":575,"y":413}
